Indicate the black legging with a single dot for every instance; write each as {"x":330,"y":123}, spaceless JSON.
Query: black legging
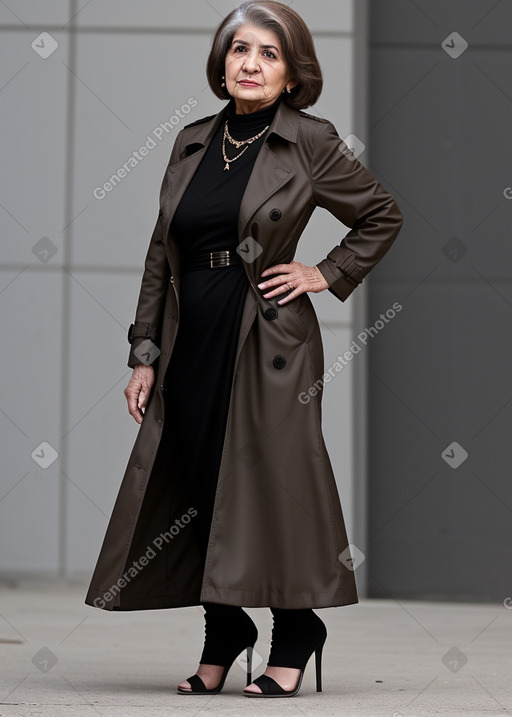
{"x":287,"y":649}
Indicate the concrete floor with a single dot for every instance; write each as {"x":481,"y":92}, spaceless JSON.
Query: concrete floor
{"x":61,"y":658}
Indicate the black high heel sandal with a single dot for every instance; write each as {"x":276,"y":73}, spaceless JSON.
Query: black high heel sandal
{"x":291,"y":649}
{"x":228,"y":631}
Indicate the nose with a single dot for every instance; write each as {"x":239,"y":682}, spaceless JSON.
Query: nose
{"x":251,"y":61}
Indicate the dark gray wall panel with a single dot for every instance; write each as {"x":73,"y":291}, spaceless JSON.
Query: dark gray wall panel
{"x":425,"y":21}
{"x":439,"y":139}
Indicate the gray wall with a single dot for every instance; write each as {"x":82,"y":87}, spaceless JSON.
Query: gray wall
{"x":72,"y":263}
{"x":439,"y":372}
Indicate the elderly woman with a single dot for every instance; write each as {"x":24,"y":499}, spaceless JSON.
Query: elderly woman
{"x":229,"y":498}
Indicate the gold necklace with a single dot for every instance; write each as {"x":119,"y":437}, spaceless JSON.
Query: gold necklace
{"x":237,"y":143}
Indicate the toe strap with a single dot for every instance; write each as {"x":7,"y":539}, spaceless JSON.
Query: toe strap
{"x":196,"y":684}
{"x":268,"y":685}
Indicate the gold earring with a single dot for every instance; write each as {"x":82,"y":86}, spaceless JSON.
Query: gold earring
{"x":222,"y":84}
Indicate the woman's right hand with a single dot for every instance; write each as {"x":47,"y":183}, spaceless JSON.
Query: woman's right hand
{"x":138,"y":390}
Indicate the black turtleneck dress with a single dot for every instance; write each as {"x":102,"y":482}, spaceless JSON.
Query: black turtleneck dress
{"x":200,"y":371}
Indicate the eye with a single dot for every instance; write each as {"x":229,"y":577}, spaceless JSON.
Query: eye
{"x":270,"y":54}
{"x":239,"y":47}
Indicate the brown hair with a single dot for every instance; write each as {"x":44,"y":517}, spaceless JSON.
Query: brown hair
{"x":296,"y":42}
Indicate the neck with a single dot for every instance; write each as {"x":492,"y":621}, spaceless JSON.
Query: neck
{"x":243,"y":107}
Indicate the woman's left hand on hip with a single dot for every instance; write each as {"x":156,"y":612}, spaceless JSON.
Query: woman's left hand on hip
{"x":299,"y":276}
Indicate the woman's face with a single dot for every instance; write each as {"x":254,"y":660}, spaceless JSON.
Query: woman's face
{"x":256,"y":72}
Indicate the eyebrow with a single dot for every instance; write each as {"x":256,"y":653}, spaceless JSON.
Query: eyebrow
{"x":266,"y":47}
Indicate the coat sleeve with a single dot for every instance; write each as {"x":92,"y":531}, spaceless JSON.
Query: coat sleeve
{"x":154,"y":283}
{"x":343,"y":185}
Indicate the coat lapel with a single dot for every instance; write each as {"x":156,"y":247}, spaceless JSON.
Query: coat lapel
{"x":270,"y":172}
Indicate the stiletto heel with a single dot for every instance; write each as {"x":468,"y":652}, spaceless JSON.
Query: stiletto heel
{"x":250,"y":650}
{"x":318,"y":666}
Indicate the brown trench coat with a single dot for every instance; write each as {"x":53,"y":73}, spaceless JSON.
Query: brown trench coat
{"x":278,"y":529}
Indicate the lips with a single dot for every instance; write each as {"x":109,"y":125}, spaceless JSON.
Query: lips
{"x":248,"y":83}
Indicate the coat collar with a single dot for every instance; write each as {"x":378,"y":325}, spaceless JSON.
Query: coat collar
{"x":285,"y":124}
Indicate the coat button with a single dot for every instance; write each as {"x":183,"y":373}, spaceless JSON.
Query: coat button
{"x":279,"y":361}
{"x":270,"y":314}
{"x":172,"y":279}
{"x":163,"y":388}
{"x":275,"y":214}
